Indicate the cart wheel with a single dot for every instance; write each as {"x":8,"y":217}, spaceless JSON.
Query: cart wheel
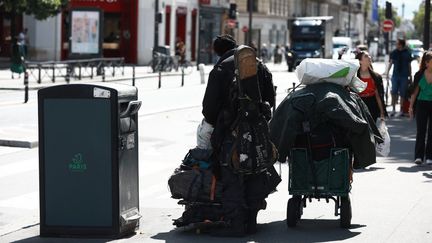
{"x":294,"y":211}
{"x":345,"y":212}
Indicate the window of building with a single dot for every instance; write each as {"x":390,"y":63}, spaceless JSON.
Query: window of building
{"x":112,"y":31}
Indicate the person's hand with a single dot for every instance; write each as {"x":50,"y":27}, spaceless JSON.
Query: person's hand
{"x":411,"y":112}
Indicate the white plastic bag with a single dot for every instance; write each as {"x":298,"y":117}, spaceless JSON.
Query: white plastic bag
{"x":204,"y":132}
{"x":342,"y":72}
{"x":383,"y":149}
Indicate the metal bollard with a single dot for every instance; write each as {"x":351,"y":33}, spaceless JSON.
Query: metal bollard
{"x":39,"y":74}
{"x":182,"y":79}
{"x":294,"y":84}
{"x":160,"y":80}
{"x":26,"y":88}
{"x":103,"y":74}
{"x":133,"y":75}
{"x":202,"y":74}
{"x":53,"y":74}
{"x":79,"y":72}
{"x":68,"y":73}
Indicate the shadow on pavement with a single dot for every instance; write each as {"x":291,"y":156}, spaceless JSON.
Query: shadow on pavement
{"x":369,"y":169}
{"x":402,"y":135}
{"x":37,"y":239}
{"x":415,"y":168}
{"x":428,"y":176}
{"x":307,"y":230}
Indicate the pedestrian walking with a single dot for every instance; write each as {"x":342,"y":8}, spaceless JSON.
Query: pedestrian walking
{"x":23,"y":39}
{"x":264,"y":53}
{"x":243,"y":194}
{"x":401,"y":59}
{"x":17,"y":58}
{"x":422,"y":98}
{"x":373,"y":95}
{"x":180,"y":50}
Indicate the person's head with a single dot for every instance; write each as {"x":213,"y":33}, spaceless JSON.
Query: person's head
{"x":400,"y":44}
{"x":364,"y":59}
{"x":223,"y":43}
{"x":426,"y":61}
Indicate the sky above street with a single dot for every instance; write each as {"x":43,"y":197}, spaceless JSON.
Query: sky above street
{"x":410,"y":6}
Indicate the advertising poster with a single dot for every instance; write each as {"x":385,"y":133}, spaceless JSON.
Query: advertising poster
{"x":85,"y":32}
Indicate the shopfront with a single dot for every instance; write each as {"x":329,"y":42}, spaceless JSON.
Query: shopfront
{"x":119,"y":20}
{"x":210,"y":26}
{"x":5,"y":32}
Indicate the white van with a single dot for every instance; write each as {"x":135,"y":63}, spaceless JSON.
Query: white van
{"x":340,"y":42}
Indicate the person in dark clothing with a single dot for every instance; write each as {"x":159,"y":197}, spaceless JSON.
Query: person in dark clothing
{"x":421,"y":99}
{"x":373,"y":95}
{"x":401,"y":58}
{"x":243,"y":195}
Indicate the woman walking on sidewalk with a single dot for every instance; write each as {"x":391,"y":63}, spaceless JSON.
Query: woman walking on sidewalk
{"x":373,"y":95}
{"x":423,"y":94}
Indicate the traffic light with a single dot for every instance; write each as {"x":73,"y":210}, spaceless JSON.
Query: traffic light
{"x":388,"y":10}
{"x":232,"y":14}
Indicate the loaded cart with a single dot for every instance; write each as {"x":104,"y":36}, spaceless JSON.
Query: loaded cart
{"x":325,"y":130}
{"x":324,"y":179}
{"x":319,"y":167}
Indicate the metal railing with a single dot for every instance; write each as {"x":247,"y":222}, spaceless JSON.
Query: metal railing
{"x":76,"y":69}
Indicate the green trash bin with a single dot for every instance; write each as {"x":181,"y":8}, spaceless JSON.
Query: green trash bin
{"x":88,"y":160}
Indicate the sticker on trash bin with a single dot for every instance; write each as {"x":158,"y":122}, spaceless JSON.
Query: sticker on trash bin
{"x":77,"y":164}
{"x":101,"y":93}
{"x":130,"y":141}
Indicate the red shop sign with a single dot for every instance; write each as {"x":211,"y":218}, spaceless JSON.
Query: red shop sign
{"x":206,"y":2}
{"x":106,"y":5}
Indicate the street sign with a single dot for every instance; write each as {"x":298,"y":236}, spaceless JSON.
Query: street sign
{"x":245,"y":29}
{"x":387,"y":25}
{"x":231,"y":23}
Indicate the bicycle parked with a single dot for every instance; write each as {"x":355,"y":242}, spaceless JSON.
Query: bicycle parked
{"x":165,"y":63}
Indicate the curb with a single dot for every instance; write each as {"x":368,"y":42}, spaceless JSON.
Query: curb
{"x":19,"y":143}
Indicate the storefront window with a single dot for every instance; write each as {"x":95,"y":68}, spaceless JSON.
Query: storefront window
{"x":112,"y":31}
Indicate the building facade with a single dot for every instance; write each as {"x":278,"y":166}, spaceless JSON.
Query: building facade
{"x":129,"y":25}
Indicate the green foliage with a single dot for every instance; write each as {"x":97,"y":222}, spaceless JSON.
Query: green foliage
{"x":396,"y":18}
{"x":418,"y":20}
{"x":40,"y":9}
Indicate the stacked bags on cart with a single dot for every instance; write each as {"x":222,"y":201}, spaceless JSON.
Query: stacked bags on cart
{"x":328,"y":100}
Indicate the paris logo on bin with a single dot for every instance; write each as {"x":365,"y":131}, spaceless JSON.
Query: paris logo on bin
{"x":77,"y":164}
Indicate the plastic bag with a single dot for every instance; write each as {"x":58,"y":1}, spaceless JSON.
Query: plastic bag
{"x":342,"y":72}
{"x":204,"y":132}
{"x":383,"y":149}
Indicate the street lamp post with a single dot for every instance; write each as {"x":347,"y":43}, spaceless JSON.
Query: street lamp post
{"x":349,"y":19}
{"x":426,"y":31}
{"x":156,"y":32}
{"x":250,"y":6}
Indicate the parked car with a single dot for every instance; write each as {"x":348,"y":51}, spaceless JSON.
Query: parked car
{"x":416,"y":47}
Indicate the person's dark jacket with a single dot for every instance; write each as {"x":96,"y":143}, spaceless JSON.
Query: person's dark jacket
{"x":377,"y":78}
{"x":217,"y":107}
{"x":326,"y":103}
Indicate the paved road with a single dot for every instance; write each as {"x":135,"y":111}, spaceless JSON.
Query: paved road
{"x":391,"y":200}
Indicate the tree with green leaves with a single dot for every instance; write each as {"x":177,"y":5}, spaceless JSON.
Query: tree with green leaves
{"x":40,"y":9}
{"x":418,"y":20}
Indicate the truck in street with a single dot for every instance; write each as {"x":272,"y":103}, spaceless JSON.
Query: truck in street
{"x":311,"y":37}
